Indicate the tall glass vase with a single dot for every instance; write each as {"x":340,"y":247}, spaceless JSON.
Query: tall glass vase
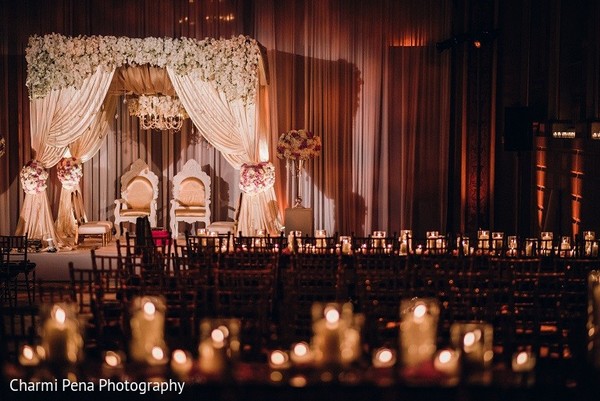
{"x":297,"y":168}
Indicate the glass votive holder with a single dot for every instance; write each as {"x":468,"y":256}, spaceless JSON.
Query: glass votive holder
{"x":462,"y":245}
{"x":301,"y":354}
{"x":483,"y":239}
{"x":418,"y":330}
{"x":61,"y":335}
{"x":447,"y":361}
{"x":475,"y":340}
{"x":147,"y":326}
{"x":346,"y":245}
{"x":406,"y":246}
{"x":512,"y":245}
{"x":546,"y":239}
{"x":432,"y":237}
{"x":379,"y":239}
{"x":531,"y":247}
{"x":319,"y":238}
{"x":593,"y":323}
{"x":497,"y":241}
{"x":219,"y":345}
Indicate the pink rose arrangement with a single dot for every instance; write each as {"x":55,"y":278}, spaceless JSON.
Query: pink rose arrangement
{"x":298,"y":145}
{"x":257,"y":178}
{"x":33,"y":177}
{"x":69,"y":171}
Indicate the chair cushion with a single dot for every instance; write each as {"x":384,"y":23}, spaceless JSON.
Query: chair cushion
{"x":89,"y":228}
{"x":192,"y":211}
{"x":135,"y":212}
{"x":139,"y":193}
{"x":191,"y":192}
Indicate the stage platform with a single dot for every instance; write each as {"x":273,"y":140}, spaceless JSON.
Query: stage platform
{"x":55,"y":266}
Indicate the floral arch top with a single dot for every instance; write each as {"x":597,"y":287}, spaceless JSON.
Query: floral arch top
{"x":55,"y":61}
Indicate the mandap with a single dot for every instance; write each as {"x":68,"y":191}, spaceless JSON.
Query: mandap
{"x":221,"y":84}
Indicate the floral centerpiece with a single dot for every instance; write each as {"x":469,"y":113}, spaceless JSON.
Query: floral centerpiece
{"x":33,"y":177}
{"x":2,"y":146}
{"x":298,"y":145}
{"x":257,"y":178}
{"x":69,"y":172}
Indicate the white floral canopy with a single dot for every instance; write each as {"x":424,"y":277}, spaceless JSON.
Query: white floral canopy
{"x":220,"y":83}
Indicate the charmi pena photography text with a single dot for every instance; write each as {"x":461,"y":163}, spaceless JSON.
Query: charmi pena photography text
{"x":171,"y":386}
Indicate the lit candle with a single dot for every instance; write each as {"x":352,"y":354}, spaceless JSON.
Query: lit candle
{"x":419,"y":250}
{"x":475,"y":340}
{"x":346,"y":245}
{"x":418,"y":330}
{"x":279,"y":360}
{"x":406,"y":239}
{"x":319,"y":235}
{"x":61,"y":339}
{"x":28,"y":356}
{"x":112,"y":363}
{"x":523,"y":361}
{"x":379,"y":239}
{"x":384,"y":358}
{"x":181,"y":363}
{"x":147,"y":328}
{"x":431,"y":239}
{"x":301,"y":354}
{"x":327,"y":334}
{"x":447,"y":361}
{"x":212,"y":353}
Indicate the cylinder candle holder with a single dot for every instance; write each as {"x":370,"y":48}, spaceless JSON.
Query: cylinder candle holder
{"x":379,"y":239}
{"x":405,"y":242}
{"x":483,"y":240}
{"x":61,"y":337}
{"x":475,"y":339}
{"x":346,"y":245}
{"x":147,"y":328}
{"x":546,"y":240}
{"x":219,"y":345}
{"x":497,"y":242}
{"x":418,"y":330}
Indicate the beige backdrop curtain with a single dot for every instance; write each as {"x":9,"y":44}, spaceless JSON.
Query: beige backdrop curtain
{"x":232,"y":128}
{"x":83,"y":149}
{"x":57,"y":120}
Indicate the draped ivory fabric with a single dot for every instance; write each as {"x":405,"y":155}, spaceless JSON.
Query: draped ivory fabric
{"x":71,"y":207}
{"x":233,"y":128}
{"x":57,"y":120}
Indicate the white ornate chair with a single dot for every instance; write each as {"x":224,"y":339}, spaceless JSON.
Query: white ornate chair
{"x":139,"y":194}
{"x":191,"y":197}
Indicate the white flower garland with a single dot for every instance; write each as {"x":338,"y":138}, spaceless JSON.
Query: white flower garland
{"x":55,"y":61}
{"x":257,"y":178}
{"x":33,"y":177}
{"x":69,"y":172}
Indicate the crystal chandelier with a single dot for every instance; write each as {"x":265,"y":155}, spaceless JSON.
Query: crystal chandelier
{"x":158,"y":112}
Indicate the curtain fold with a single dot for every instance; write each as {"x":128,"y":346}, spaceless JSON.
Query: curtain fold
{"x":233,"y":129}
{"x":57,"y":120}
{"x":71,"y":206}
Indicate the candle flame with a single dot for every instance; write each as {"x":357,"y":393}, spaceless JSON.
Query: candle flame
{"x":60,"y":315}
{"x":332,"y":315}
{"x":301,"y":349}
{"x":149,"y":308}
{"x":157,"y":353}
{"x":469,"y":339}
{"x":445,"y":356}
{"x":384,"y":355}
{"x":217,"y":335}
{"x":420,"y":311}
{"x":179,"y":356}
{"x":112,"y":359}
{"x":522,"y":358}
{"x":28,"y":352}
{"x":278,"y":358}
